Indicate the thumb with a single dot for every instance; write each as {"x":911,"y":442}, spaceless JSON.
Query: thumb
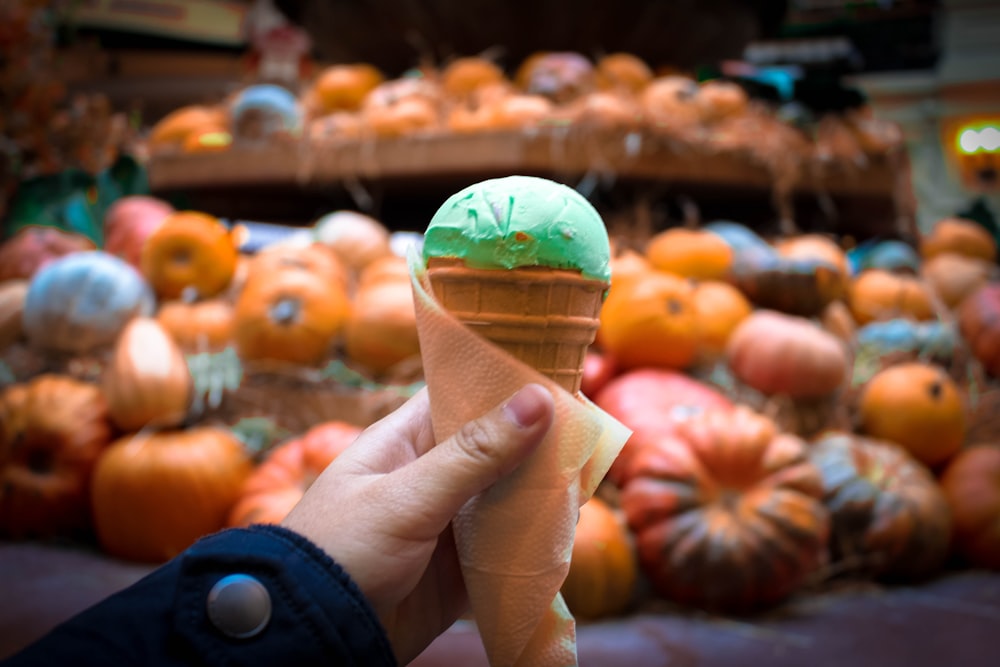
{"x":480,"y":453}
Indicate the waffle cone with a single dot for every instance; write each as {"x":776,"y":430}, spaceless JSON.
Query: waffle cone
{"x":546,"y":318}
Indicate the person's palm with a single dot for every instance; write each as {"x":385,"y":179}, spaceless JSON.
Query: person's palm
{"x":382,"y":510}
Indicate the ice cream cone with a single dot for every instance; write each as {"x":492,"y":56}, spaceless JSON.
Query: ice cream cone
{"x":546,"y":318}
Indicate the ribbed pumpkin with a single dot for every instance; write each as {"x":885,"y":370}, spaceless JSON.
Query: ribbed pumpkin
{"x":603,"y":572}
{"x":961,"y":236}
{"x":199,"y":326}
{"x":289,"y":315}
{"x":690,"y":253}
{"x":971,"y":483}
{"x":153,"y":494}
{"x":917,"y":406}
{"x":279,"y":482}
{"x":146,"y":381}
{"x":877,"y":294}
{"x":729,"y":516}
{"x":979,"y":322}
{"x":890,"y":517}
{"x":52,"y":431}
{"x":651,"y":321}
{"x":80,"y":302}
{"x":189,"y":251}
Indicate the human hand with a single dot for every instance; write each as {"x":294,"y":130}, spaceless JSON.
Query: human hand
{"x":383,"y":508}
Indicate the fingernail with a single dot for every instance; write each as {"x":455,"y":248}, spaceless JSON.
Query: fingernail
{"x":526,"y":407}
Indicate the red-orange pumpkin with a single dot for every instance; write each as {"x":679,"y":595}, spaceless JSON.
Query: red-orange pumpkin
{"x":279,"y":482}
{"x":783,"y":354}
{"x":971,"y":483}
{"x":52,"y":431}
{"x":979,"y":323}
{"x":729,"y":516}
{"x":651,"y":402}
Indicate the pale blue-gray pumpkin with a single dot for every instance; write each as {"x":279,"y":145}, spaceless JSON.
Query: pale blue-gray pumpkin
{"x":82,"y":301}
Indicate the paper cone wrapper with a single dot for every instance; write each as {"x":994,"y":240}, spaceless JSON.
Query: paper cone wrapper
{"x":515,"y":539}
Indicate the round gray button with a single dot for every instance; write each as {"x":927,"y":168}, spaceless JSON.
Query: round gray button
{"x":239,"y":606}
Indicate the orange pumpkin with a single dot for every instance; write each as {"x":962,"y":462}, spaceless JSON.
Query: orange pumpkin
{"x":718,"y":100}
{"x":651,"y":321}
{"x":603,"y":572}
{"x":401,"y":106}
{"x":691,"y":253}
{"x":278,"y":483}
{"x":520,"y":111}
{"x":462,"y":77}
{"x":622,"y":72}
{"x":953,"y":277}
{"x":289,"y":315}
{"x":189,"y":251}
{"x":728,"y":516}
{"x":917,"y":406}
{"x":343,"y":87}
{"x":719,"y":308}
{"x":979,"y":323}
{"x":878,"y":295}
{"x":146,"y":382}
{"x":890,"y":517}
{"x":171,"y":130}
{"x":315,"y":257}
{"x":200,"y":326}
{"x":356,"y":238}
{"x":52,"y":431}
{"x":783,"y":354}
{"x":381,"y":330}
{"x":961,"y":236}
{"x":971,"y":483}
{"x":154,"y":494}
{"x":670,"y":101}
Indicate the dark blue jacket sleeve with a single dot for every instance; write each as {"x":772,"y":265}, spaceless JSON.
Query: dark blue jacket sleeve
{"x":319,"y":617}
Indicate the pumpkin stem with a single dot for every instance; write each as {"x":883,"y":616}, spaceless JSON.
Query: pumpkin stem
{"x":935,"y":389}
{"x":285,"y":311}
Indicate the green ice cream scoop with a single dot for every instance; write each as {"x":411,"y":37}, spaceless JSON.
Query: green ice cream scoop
{"x":520,"y":221}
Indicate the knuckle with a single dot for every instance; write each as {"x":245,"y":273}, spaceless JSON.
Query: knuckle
{"x":477,"y":442}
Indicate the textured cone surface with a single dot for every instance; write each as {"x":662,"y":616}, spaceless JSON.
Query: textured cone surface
{"x":546,"y":318}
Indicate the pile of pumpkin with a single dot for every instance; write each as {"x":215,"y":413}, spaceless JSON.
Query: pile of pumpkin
{"x":555,"y":89}
{"x":766,"y":459}
{"x":101,"y":433}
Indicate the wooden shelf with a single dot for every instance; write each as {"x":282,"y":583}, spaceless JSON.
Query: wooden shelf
{"x":247,"y":181}
{"x":627,"y":155}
